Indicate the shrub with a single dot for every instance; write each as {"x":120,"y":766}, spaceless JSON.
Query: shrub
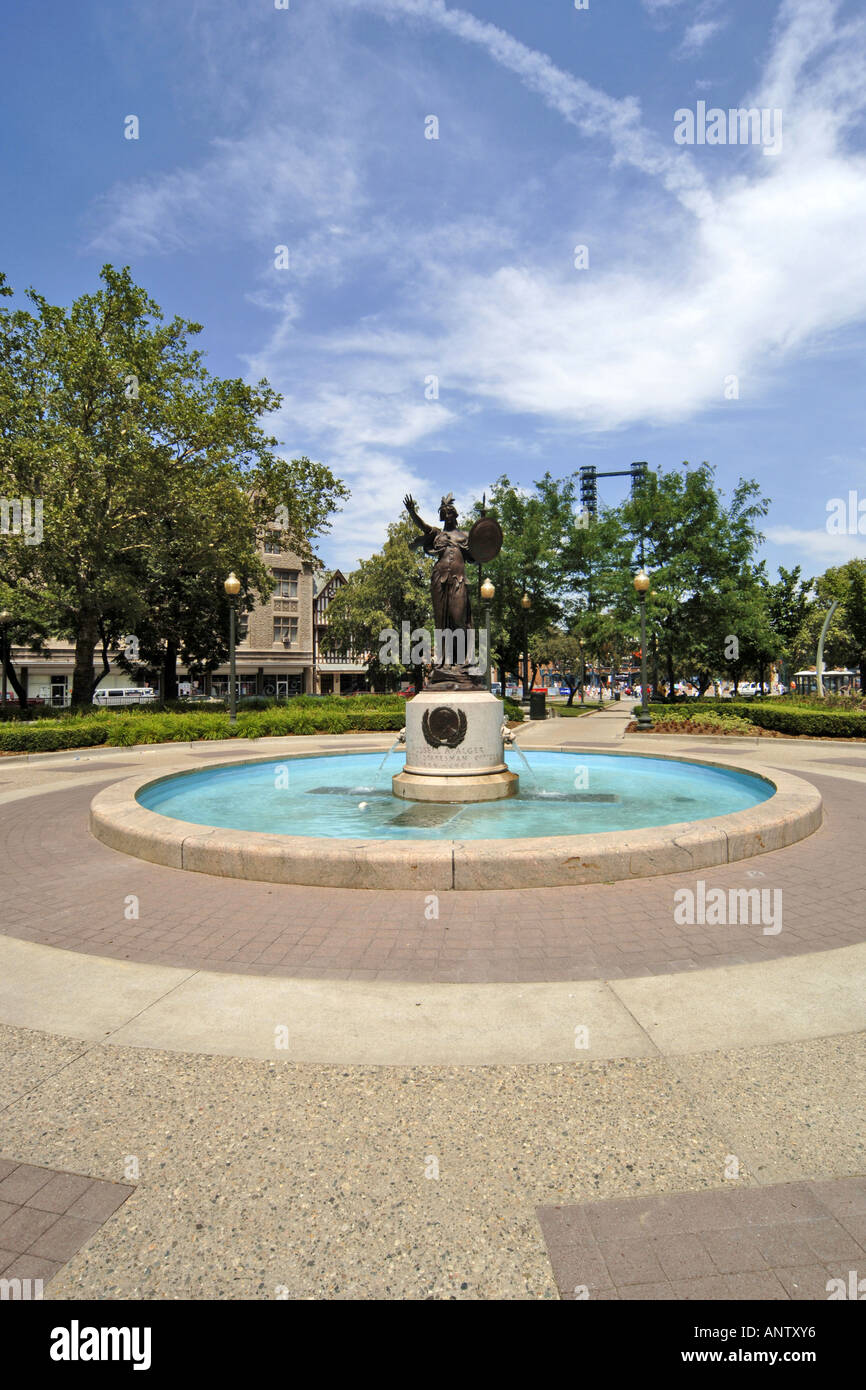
{"x":779,"y":717}
{"x":40,"y":737}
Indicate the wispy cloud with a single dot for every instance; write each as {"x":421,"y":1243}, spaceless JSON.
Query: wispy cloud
{"x":698,"y":35}
{"x":818,"y":545}
{"x":699,"y":270}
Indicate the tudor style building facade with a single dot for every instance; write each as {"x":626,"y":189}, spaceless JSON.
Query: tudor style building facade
{"x":282,"y":646}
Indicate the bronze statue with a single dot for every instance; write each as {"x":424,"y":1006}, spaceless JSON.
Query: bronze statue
{"x":452,"y":609}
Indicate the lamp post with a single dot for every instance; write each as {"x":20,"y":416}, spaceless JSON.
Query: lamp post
{"x":582,"y":645}
{"x":488,"y":589}
{"x":232,"y":587}
{"x":526,"y":604}
{"x":641,"y":584}
{"x":5,"y":620}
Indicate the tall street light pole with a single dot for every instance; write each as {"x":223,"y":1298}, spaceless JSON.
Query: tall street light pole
{"x":526,"y":604}
{"x":641,"y":584}
{"x":232,"y":587}
{"x":5,"y":620}
{"x":488,"y":589}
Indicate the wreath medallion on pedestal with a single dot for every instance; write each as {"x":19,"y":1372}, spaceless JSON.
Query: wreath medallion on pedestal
{"x":444,"y":726}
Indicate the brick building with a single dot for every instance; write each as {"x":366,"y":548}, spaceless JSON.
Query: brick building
{"x":281,"y":650}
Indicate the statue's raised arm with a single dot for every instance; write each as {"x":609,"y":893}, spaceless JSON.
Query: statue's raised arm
{"x":428,"y":533}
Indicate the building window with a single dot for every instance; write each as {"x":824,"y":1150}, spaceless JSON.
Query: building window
{"x":285,"y":584}
{"x":286,"y":629}
{"x":274,"y":543}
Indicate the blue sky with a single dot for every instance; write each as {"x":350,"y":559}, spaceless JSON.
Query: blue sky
{"x":411,"y":257}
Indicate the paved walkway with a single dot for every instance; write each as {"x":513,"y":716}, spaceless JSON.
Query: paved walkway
{"x":327,"y":1138}
{"x":789,"y":1241}
{"x":264,"y":1179}
{"x":64,"y":888}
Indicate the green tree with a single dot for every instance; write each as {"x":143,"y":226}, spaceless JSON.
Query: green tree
{"x":528,"y":563}
{"x":145,"y":461}
{"x":789,"y":602}
{"x":845,"y":644}
{"x":562,"y":651}
{"x":700,"y":552}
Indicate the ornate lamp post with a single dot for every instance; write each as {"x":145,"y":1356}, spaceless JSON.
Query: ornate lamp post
{"x":526,"y":604}
{"x":488,"y":589}
{"x":641,"y":584}
{"x":5,"y":620}
{"x":232,"y":587}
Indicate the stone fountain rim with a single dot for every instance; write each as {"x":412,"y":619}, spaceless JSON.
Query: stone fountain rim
{"x":119,"y":821}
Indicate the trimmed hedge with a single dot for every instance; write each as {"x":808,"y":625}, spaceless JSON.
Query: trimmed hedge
{"x":784,"y":719}
{"x":127,"y":727}
{"x":119,"y":730}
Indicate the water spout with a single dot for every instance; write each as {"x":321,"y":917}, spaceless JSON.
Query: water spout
{"x":401,"y":738}
{"x":523,"y":759}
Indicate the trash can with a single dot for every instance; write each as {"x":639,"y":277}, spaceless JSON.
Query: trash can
{"x":617,"y":695}
{"x":538,"y":704}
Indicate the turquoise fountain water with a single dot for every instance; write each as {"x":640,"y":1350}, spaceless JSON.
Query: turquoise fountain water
{"x":345,"y":797}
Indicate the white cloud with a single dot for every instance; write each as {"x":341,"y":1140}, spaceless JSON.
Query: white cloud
{"x":819,"y":545}
{"x":698,"y":35}
{"x":742,"y":260}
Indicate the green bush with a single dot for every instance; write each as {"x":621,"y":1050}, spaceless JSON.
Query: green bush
{"x":133,"y":725}
{"x":778,"y":716}
{"x":513,"y":712}
{"x":39,"y":737}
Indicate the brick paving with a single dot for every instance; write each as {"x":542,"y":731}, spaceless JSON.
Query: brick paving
{"x":46,"y":1216}
{"x":781,"y":1242}
{"x":63,"y":888}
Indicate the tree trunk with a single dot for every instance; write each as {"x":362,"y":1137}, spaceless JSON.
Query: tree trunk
{"x":86,"y":637}
{"x":669,"y":657}
{"x":169,"y":671}
{"x":11,"y":673}
{"x":863,"y":673}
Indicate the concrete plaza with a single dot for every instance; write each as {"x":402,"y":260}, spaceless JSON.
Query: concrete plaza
{"x":315,"y":1093}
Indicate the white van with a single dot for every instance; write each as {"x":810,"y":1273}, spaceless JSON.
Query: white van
{"x":124,"y":695}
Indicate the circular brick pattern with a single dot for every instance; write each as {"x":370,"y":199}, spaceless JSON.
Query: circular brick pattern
{"x":61,"y":887}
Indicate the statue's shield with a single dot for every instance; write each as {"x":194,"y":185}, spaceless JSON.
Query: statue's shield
{"x":485,"y":540}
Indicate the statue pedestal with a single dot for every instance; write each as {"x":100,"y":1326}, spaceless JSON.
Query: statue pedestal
{"x":454,"y":749}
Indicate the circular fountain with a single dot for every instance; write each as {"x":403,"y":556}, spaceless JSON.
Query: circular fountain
{"x":575,"y":817}
{"x":457,"y":816}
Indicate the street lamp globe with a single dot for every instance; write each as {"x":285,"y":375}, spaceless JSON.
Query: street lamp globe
{"x":232,"y":585}
{"x":526,"y":601}
{"x":641,"y":581}
{"x":488,"y":589}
